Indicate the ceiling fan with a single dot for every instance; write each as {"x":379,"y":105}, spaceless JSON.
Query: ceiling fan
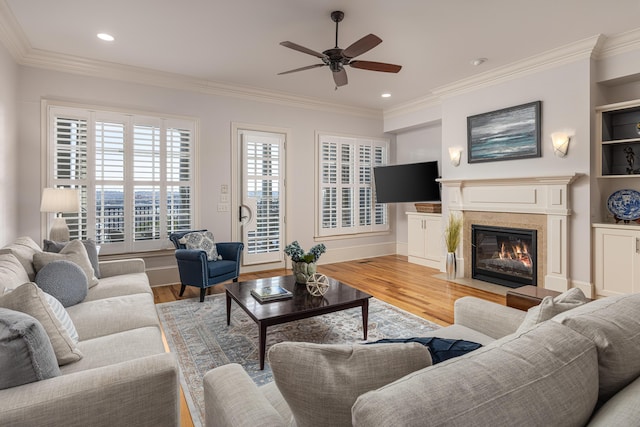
{"x":337,"y":58}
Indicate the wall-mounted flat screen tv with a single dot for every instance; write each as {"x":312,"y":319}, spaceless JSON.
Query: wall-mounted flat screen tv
{"x":413,"y":182}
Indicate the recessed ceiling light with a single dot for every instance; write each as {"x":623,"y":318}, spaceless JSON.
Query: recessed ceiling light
{"x":386,"y":95}
{"x":106,"y":37}
{"x":478,"y":61}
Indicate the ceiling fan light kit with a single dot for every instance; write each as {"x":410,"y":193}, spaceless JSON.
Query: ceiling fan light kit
{"x":336,"y":59}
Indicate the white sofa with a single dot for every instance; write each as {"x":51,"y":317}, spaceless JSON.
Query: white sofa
{"x":579,"y":368}
{"x":124,"y":377}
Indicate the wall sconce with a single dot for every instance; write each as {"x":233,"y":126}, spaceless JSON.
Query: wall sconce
{"x":560,"y":141}
{"x":454,"y":155}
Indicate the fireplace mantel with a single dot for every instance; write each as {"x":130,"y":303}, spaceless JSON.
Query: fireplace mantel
{"x":543,"y":195}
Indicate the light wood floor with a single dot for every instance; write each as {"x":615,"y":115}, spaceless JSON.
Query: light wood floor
{"x":389,"y":278}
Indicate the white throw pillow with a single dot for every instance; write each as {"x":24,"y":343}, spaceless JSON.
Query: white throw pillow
{"x":321,"y":382}
{"x":551,"y":306}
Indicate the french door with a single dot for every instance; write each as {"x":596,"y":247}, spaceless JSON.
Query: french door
{"x":262,"y":203}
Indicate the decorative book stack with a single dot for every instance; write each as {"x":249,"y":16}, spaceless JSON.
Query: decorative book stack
{"x":270,"y":293}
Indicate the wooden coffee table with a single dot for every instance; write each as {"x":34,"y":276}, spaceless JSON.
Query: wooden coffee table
{"x":339,"y":297}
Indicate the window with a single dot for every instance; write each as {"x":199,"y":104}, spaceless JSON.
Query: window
{"x":135,"y":175}
{"x":345,"y":185}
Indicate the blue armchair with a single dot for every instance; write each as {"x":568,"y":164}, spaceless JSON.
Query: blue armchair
{"x":196,"y":270}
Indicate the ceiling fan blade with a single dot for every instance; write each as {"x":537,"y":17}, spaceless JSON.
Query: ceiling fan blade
{"x":361,"y":46}
{"x":303,"y":49}
{"x":308,"y":67}
{"x":340,"y":77}
{"x":375,"y":66}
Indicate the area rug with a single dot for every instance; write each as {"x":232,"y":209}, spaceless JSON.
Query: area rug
{"x":199,"y":336}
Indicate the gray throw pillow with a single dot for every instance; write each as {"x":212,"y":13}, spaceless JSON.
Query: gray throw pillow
{"x":26,"y":354}
{"x":552,"y":306}
{"x":320,"y":382}
{"x":64,"y":280}
{"x":89,"y":245}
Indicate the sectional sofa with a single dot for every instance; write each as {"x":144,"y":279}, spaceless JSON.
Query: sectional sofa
{"x":579,"y":367}
{"x":114,"y":373}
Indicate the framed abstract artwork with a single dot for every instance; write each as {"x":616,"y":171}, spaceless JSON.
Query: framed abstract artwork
{"x":507,"y":134}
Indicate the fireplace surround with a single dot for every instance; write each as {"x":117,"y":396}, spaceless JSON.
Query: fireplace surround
{"x":540,"y":203}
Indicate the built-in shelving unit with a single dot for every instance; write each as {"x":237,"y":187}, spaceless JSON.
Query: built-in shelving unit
{"x":616,"y":247}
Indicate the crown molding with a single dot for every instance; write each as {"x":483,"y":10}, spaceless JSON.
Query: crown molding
{"x":550,"y":59}
{"x":617,"y":44}
{"x":412,"y":106}
{"x":14,"y":39}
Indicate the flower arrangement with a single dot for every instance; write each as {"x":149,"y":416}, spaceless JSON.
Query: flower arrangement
{"x":297,"y":253}
{"x":453,"y":232}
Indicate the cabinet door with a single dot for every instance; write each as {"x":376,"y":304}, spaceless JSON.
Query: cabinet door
{"x":433,"y":244}
{"x":617,"y":261}
{"x":416,"y":240}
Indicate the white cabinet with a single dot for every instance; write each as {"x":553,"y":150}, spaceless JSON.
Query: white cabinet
{"x":616,"y":259}
{"x":425,"y":239}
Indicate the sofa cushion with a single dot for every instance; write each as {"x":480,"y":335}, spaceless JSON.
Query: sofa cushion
{"x":202,"y":240}
{"x":117,"y":348}
{"x":320,"y":382}
{"x":26,"y":354}
{"x":551,"y":306}
{"x":613,"y":325}
{"x":546,"y":376}
{"x":64,"y":280}
{"x":123,"y":313}
{"x":124,"y":284}
{"x":623,"y":409}
{"x":89,"y":245}
{"x":12,"y":273}
{"x":218,"y":268}
{"x":75,"y":252}
{"x":30,"y":299}
{"x":24,"y":248}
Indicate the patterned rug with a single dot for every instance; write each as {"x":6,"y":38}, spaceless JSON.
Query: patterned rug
{"x":198,"y":334}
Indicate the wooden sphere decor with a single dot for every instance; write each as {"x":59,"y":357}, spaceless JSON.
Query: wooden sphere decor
{"x":318,"y":284}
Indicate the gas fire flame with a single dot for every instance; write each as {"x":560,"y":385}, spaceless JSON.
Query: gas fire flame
{"x":518,"y":252}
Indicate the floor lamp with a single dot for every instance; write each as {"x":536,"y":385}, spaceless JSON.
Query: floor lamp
{"x":59,"y":201}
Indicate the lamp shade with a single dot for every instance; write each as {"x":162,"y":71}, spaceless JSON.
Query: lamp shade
{"x":60,"y":200}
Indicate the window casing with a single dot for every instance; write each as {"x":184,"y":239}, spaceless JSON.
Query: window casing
{"x":135,"y":174}
{"x":345,"y":200}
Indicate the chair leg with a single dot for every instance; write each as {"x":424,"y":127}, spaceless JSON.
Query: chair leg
{"x":202,"y":292}
{"x":182,"y":288}
{"x":235,"y":280}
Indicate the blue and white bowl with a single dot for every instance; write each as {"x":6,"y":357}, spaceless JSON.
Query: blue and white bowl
{"x":625,"y":204}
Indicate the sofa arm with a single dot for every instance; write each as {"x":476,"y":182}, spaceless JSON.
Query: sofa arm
{"x":124,"y":266}
{"x":231,"y":398}
{"x":139,"y":392}
{"x":489,"y":318}
{"x":230,"y":250}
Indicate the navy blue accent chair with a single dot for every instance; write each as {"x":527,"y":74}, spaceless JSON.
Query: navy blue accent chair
{"x":196,"y":270}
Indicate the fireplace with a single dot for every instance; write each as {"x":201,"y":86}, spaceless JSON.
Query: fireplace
{"x":504,"y":256}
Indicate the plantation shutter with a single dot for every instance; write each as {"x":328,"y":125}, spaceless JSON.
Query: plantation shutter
{"x":135,"y":174}
{"x":346,"y":196}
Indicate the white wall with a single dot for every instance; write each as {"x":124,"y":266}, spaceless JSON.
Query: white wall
{"x":8,"y":148}
{"x":215,"y":113}
{"x":412,"y":146}
{"x":565,"y":92}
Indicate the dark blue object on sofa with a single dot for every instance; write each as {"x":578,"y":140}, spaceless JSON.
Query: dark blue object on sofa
{"x":196,"y":270}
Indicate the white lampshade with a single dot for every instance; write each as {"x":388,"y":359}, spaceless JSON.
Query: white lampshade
{"x":60,"y":200}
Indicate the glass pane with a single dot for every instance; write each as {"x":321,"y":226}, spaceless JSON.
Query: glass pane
{"x":109,"y":213}
{"x":146,"y":213}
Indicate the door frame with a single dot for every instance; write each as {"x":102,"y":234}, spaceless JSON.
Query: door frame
{"x":236,"y":187}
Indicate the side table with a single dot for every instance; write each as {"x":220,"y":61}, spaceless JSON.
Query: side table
{"x":525,"y":297}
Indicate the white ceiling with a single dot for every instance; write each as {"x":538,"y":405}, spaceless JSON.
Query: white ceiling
{"x":237,"y":41}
